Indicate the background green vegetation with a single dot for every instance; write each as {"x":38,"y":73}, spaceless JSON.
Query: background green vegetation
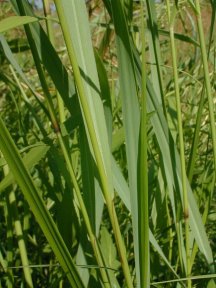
{"x":107,"y":144}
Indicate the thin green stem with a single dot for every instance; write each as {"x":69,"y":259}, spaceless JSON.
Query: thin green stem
{"x":107,"y":190}
{"x":181,"y":141}
{"x":169,"y":223}
{"x":156,"y":47}
{"x":9,"y":256}
{"x":84,"y":212}
{"x":20,"y":239}
{"x":207,"y":78}
{"x":50,"y":32}
{"x":192,"y":158}
{"x":179,"y":240}
{"x":143,"y":209}
{"x":66,"y":154}
{"x":35,"y":118}
{"x":12,"y":209}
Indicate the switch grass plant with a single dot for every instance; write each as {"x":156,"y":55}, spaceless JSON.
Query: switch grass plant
{"x":107,"y":144}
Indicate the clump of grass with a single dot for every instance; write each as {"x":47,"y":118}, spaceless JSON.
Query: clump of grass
{"x":108,"y":160}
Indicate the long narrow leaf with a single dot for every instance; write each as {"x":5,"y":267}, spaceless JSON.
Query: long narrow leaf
{"x":15,"y":21}
{"x":83,"y":63}
{"x":172,"y":167}
{"x":131,"y":113}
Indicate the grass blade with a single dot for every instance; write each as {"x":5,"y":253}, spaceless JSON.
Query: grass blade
{"x":142,"y":175}
{"x":181,"y":142}
{"x":83,"y":63}
{"x":131,"y":113}
{"x":171,"y":164}
{"x":15,"y":21}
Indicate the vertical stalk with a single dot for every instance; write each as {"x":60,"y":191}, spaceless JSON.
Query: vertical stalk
{"x":207,"y":78}
{"x":13,"y":216}
{"x":143,"y":210}
{"x":20,"y":239}
{"x":192,"y":158}
{"x":28,"y":102}
{"x":181,"y":140}
{"x":169,"y":223}
{"x":191,"y":162}
{"x":84,"y":212}
{"x":66,"y":154}
{"x":47,"y":13}
{"x":95,"y":146}
{"x":9,"y":257}
{"x":179,"y":238}
{"x":155,"y":41}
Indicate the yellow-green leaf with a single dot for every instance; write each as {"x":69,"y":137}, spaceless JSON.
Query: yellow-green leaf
{"x":15,"y":21}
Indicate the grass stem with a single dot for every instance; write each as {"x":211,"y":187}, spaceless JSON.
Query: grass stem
{"x":207,"y":78}
{"x":143,"y":207}
{"x":171,"y":18}
{"x":90,"y":126}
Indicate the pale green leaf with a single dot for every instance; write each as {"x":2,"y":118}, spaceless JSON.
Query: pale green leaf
{"x":15,"y":21}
